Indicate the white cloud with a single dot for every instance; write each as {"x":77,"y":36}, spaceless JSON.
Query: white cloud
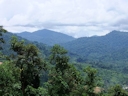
{"x":74,"y":17}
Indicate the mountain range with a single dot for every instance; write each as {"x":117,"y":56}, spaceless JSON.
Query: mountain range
{"x":110,"y":47}
{"x":46,"y":36}
{"x":113,"y":45}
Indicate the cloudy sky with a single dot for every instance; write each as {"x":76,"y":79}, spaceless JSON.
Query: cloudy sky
{"x":77,"y":18}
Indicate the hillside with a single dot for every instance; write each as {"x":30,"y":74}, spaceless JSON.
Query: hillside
{"x":44,"y":49}
{"x":111,"y":42}
{"x":111,"y":49}
{"x":46,"y":36}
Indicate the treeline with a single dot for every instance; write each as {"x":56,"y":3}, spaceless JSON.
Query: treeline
{"x":20,"y":74}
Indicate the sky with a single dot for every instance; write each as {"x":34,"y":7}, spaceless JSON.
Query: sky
{"x":77,"y":18}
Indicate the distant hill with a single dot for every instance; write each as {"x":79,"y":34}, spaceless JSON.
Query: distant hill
{"x":46,"y":36}
{"x":111,"y":48}
{"x":44,"y":49}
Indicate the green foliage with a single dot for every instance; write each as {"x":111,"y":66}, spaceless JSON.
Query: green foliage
{"x":117,"y":91}
{"x":1,"y":38}
{"x":59,"y":58}
{"x":63,"y":77}
{"x":29,"y":62}
{"x":91,"y":76}
{"x":91,"y":82}
{"x":40,"y":91}
{"x":1,"y":32}
{"x":9,"y":79}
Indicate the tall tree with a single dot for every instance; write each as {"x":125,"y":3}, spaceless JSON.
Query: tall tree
{"x":91,"y":81}
{"x":30,"y":63}
{"x":63,"y":77}
{"x":2,"y":30}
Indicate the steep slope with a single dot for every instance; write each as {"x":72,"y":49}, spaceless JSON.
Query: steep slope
{"x":46,"y":36}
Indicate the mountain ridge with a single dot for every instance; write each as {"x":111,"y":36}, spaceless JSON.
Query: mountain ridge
{"x":113,"y":45}
{"x":46,"y":36}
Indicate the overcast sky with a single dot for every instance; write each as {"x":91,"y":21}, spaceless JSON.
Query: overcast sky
{"x":77,"y":18}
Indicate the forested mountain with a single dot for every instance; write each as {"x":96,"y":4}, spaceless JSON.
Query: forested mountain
{"x":109,"y":53}
{"x":111,"y":47}
{"x":46,"y":36}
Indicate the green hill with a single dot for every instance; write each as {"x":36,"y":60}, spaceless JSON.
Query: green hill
{"x":109,"y":51}
{"x":44,"y":49}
